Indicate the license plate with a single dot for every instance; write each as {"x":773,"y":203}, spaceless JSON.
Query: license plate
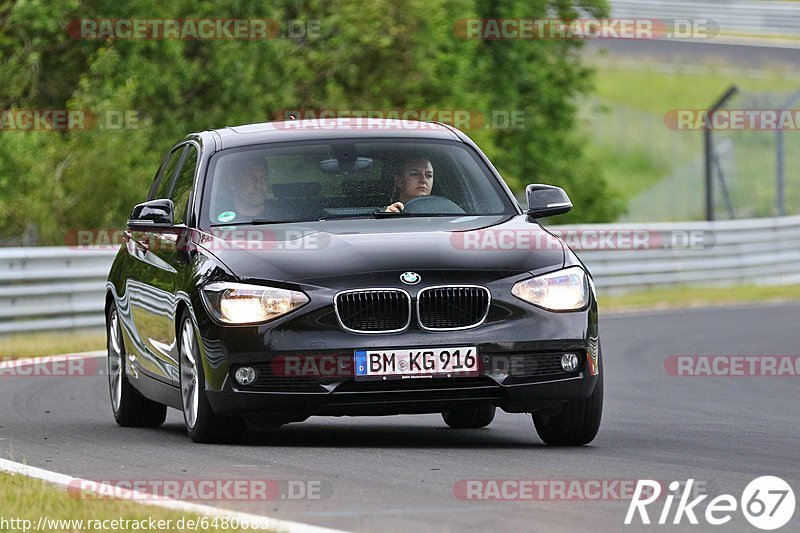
{"x":405,"y":363}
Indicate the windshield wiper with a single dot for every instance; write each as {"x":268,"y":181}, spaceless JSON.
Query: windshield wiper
{"x":256,"y":222}
{"x":344,"y":216}
{"x":404,"y":214}
{"x":389,"y":214}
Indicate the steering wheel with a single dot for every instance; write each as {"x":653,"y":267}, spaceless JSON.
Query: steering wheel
{"x":433,"y":205}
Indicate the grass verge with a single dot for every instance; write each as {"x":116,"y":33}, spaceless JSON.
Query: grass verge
{"x":646,"y":87}
{"x":24,"y":498}
{"x":685,"y":296}
{"x":634,"y":149}
{"x":51,"y":343}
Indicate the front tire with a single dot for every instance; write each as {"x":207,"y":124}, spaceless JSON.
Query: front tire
{"x":470,"y":417}
{"x":577,"y":423}
{"x":129,"y":407}
{"x":202,"y":423}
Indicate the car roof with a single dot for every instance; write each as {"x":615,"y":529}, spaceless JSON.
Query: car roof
{"x":335,"y":128}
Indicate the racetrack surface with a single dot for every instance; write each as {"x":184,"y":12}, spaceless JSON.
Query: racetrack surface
{"x":398,"y":473}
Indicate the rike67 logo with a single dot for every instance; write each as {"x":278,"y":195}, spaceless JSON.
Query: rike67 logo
{"x":767,"y":502}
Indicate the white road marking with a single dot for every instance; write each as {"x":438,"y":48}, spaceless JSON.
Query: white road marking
{"x":61,"y":480}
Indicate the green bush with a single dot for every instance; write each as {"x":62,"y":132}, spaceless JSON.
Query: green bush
{"x":370,"y":54}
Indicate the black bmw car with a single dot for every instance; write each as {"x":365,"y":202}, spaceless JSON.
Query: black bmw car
{"x":348,"y":267}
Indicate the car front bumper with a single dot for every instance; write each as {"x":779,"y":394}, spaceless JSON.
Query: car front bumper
{"x":518,"y":350}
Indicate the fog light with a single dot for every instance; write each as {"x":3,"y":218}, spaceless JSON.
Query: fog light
{"x":246,"y":375}
{"x":569,"y":362}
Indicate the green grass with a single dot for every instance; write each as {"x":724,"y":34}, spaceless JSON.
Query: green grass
{"x":28,"y":499}
{"x":752,"y":172}
{"x":652,"y":90}
{"x":634,"y":149}
{"x":51,"y":343}
{"x":685,"y":296}
{"x":631,"y":165}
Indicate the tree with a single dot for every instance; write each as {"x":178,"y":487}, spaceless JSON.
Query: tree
{"x":369,"y":55}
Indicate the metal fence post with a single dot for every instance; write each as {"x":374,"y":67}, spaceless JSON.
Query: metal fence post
{"x":780,"y":162}
{"x":709,"y":149}
{"x":780,"y":201}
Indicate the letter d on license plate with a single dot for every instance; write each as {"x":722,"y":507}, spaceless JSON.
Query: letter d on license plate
{"x":403,"y":363}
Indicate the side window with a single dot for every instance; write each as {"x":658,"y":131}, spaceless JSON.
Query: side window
{"x":152,"y":194}
{"x":163,"y":182}
{"x":183,"y":185}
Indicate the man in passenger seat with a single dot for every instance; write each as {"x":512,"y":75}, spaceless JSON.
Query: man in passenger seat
{"x":248,"y":181}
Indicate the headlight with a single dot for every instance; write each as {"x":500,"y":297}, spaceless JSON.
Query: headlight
{"x":237,"y":303}
{"x":563,"y":290}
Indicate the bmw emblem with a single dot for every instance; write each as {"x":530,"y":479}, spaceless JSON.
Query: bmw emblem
{"x":410,"y":278}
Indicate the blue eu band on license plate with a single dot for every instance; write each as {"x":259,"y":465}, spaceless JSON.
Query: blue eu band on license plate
{"x":400,"y":363}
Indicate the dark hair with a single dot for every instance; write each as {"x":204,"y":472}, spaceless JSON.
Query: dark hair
{"x":397,"y":163}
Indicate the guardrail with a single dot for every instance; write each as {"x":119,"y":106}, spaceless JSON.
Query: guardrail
{"x":763,"y":251}
{"x":56,"y":288}
{"x":763,"y":17}
{"x":52,"y":288}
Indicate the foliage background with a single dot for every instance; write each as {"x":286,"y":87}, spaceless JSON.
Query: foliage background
{"x":372,"y":54}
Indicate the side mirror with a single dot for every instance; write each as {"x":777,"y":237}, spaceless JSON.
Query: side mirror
{"x":152,"y":214}
{"x":546,"y":200}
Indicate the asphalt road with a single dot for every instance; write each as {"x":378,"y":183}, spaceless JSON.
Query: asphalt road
{"x":398,"y":473}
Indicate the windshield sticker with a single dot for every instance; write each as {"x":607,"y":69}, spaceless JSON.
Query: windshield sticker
{"x":226,"y":216}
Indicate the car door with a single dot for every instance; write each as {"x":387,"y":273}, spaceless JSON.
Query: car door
{"x":159,"y":268}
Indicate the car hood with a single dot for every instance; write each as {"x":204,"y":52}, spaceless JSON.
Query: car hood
{"x":314,"y":251}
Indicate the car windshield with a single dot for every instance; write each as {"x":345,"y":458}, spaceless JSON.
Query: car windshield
{"x":323,"y":180}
